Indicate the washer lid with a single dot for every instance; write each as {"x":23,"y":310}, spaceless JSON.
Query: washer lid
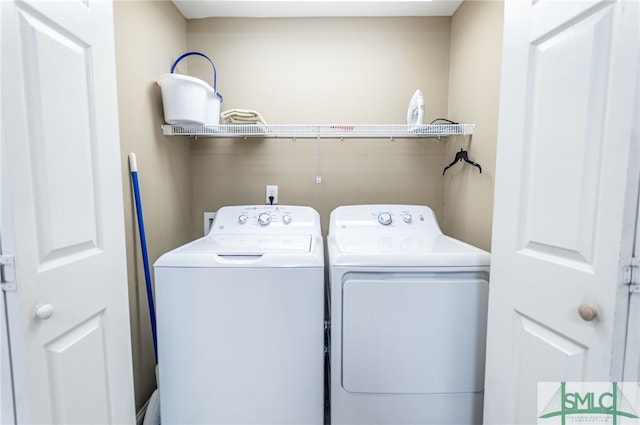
{"x":255,"y":236}
{"x":247,"y":251}
{"x":251,"y":245}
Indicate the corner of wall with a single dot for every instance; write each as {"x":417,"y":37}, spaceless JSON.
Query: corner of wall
{"x":149,"y":36}
{"x":474,"y":86}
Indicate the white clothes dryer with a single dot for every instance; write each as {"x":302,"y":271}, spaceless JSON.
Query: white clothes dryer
{"x":240,"y":320}
{"x":408,"y":319}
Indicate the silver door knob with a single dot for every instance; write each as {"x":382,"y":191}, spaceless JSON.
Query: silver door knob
{"x":587,"y":312}
{"x":43,"y":312}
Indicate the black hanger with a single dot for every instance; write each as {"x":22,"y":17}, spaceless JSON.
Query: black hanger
{"x":462,"y":156}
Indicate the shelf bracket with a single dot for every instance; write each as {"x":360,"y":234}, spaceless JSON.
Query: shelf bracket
{"x":318,"y":162}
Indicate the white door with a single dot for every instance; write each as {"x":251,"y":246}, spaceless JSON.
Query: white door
{"x":68,"y":314}
{"x":566,"y":189}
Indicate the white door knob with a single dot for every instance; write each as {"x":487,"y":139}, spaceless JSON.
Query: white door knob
{"x":587,"y":312}
{"x":43,"y":312}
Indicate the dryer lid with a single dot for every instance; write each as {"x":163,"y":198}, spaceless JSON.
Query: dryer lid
{"x":435,"y":251}
{"x":395,"y":235}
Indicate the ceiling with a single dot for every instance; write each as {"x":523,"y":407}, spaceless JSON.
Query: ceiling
{"x":194,"y":9}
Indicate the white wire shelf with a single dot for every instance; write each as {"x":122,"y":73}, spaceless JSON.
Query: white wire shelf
{"x":337,"y":131}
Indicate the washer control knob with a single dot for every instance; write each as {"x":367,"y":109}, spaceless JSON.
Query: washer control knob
{"x":384,"y":218}
{"x":242,"y":219}
{"x":286,"y":219}
{"x":406,"y":217}
{"x":264,"y":219}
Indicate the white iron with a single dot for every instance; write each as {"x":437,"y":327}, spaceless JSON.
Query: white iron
{"x":415,"y":114}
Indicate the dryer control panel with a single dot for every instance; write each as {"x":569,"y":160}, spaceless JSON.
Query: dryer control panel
{"x":416,"y":217}
{"x":266,"y":219}
{"x":394,"y":235}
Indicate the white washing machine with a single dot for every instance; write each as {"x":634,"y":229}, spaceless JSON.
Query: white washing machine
{"x":408,"y":319}
{"x":240,"y":320}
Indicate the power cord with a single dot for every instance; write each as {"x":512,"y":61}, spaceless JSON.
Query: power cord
{"x":443,"y":119}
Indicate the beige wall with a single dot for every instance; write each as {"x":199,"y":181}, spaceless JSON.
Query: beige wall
{"x":149,"y":35}
{"x":323,"y":70}
{"x":320,"y":70}
{"x":474,"y":87}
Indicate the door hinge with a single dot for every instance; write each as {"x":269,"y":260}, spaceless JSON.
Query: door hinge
{"x":631,"y":275}
{"x":7,"y":273}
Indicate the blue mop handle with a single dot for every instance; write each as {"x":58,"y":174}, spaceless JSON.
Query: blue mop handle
{"x":143,"y":244}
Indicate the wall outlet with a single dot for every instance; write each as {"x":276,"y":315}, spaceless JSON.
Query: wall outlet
{"x":209,"y":217}
{"x":271,"y":197}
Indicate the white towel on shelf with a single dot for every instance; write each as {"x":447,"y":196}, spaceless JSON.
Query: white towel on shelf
{"x":242,"y":116}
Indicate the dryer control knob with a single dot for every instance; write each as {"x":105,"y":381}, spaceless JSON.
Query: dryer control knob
{"x":264,"y":219}
{"x":406,"y":218}
{"x":384,"y":218}
{"x":242,"y":219}
{"x":286,"y":219}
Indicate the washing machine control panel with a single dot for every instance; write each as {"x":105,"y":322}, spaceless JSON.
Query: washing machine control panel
{"x":265,"y":218}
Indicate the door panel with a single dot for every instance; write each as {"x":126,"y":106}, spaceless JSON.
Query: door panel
{"x":562,"y":139}
{"x":79,"y":397}
{"x":62,"y":142}
{"x":390,"y":344}
{"x":542,"y":355}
